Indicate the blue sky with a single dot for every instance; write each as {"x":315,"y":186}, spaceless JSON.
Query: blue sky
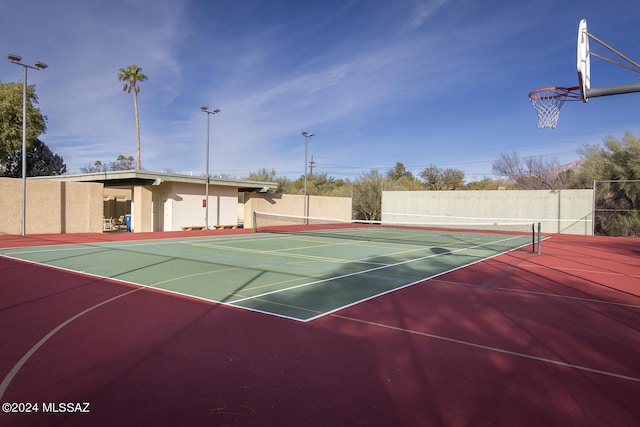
{"x":422,"y":82}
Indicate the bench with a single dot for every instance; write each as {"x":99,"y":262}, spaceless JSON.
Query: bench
{"x":193,"y":227}
{"x":215,"y":227}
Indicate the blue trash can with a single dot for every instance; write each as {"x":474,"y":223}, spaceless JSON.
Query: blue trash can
{"x":127,"y":221}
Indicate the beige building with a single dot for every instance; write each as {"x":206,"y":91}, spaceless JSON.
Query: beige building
{"x":96,"y":202}
{"x":52,"y":207}
{"x":163,"y":201}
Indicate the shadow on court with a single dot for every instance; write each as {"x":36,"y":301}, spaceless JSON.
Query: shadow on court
{"x":299,"y":283}
{"x":518,"y":339}
{"x":150,"y":358}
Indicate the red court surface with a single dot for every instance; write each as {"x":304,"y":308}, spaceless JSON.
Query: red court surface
{"x":517,"y":340}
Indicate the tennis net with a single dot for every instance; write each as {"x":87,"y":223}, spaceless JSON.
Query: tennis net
{"x":503,"y":235}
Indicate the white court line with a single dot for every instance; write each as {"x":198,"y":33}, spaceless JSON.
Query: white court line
{"x":489,"y":348}
{"x":342,"y":276}
{"x":537,"y":294}
{"x":23,"y":360}
{"x":127,"y":244}
{"x":279,"y":252}
{"x":582,"y":270}
{"x":16,"y":368}
{"x":282,"y":253}
{"x":244,"y":237}
{"x":6,"y":382}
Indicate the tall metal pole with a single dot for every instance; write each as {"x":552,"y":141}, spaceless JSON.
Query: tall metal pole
{"x":306,"y":146}
{"x":306,"y":135}
{"x":209,"y":112}
{"x":593,"y":214}
{"x":23,"y":229}
{"x":15,"y":59}
{"x":206,"y":190}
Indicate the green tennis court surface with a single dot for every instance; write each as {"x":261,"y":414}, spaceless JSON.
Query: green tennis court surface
{"x":297,"y":276}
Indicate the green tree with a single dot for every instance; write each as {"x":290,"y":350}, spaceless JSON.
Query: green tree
{"x":269,"y":175}
{"x":490,"y":184}
{"x":399,"y":172}
{"x":322,"y":184}
{"x":617,"y":165}
{"x":367,"y":195}
{"x":442,"y":179}
{"x":131,"y":76}
{"x":617,"y":160}
{"x":401,"y":179}
{"x":41,"y":161}
{"x":11,"y":118}
{"x":296,"y":186}
{"x":122,"y":163}
{"x":340,"y":188}
{"x":97,"y":166}
{"x":263,"y":175}
{"x":452,"y":179}
{"x":405,"y":183}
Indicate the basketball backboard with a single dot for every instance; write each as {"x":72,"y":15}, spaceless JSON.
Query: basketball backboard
{"x":548,"y":101}
{"x":584,"y":61}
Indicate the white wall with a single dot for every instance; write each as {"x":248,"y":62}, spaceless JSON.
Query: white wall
{"x":559,"y":211}
{"x":293,"y":204}
{"x":182,"y":205}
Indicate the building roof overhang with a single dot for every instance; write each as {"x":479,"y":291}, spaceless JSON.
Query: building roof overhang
{"x":130,"y":178}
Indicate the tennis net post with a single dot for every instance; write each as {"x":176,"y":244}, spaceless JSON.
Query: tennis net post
{"x":539,"y":238}
{"x":255,"y":223}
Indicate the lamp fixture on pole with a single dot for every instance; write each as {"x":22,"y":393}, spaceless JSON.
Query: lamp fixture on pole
{"x":16,"y":59}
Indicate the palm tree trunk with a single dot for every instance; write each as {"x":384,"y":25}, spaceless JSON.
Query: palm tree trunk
{"x":135,"y":107}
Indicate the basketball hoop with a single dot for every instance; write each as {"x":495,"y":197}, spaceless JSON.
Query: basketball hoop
{"x":549,"y":100}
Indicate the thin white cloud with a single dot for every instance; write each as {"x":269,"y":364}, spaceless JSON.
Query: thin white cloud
{"x":375,"y":80}
{"x":87,"y":42}
{"x":423,"y":10}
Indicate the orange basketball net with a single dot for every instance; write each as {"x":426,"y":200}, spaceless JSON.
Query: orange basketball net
{"x":549,"y":100}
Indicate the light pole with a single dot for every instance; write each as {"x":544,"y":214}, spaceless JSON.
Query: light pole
{"x":306,"y":135}
{"x":15,"y":59}
{"x":209,"y":112}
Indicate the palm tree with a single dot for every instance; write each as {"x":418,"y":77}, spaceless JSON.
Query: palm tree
{"x":130,"y":76}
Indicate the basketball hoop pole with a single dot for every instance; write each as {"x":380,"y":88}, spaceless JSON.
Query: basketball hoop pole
{"x":613,"y":90}
{"x":584,"y":54}
{"x":549,"y":101}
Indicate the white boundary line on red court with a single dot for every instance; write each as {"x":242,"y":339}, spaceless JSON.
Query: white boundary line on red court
{"x":489,"y":348}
